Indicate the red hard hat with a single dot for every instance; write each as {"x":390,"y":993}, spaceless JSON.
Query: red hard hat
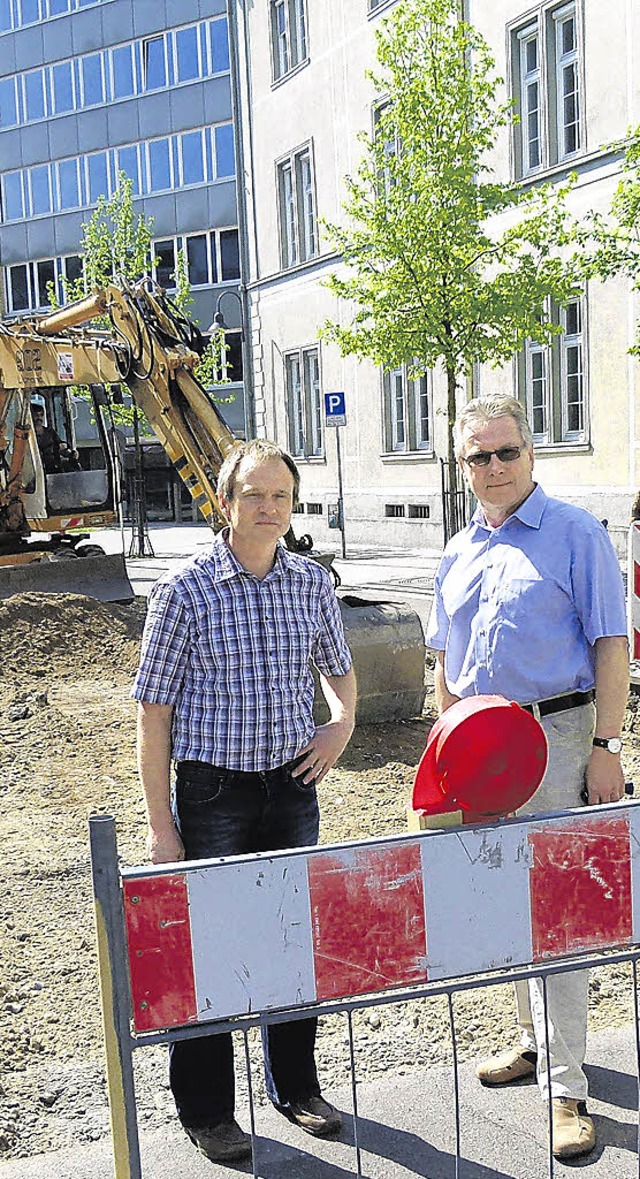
{"x":485,"y":754}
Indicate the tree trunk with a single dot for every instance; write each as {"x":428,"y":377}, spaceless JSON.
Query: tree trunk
{"x":453,"y":515}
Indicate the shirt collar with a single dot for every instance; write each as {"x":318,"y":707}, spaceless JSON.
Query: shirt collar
{"x":530,"y":512}
{"x":229,"y":565}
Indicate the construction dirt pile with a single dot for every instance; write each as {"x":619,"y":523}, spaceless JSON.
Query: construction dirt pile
{"x":67,"y":750}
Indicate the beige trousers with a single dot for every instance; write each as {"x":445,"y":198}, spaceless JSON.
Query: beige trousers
{"x":569,"y":735}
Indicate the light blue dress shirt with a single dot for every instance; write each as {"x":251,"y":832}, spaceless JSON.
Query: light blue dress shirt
{"x":518,"y":608}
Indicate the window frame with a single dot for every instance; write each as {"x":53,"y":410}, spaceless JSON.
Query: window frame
{"x":289,"y":38}
{"x":297,"y":207}
{"x":545,"y":25}
{"x":303,"y":401}
{"x":556,"y":381}
{"x":402,"y":412}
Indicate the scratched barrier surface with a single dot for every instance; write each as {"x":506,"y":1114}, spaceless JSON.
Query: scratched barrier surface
{"x":296,"y":928}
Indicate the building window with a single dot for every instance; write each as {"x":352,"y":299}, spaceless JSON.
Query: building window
{"x":566,"y":81}
{"x":28,"y":12}
{"x":187,"y":55}
{"x":546,"y":89}
{"x":407,"y":411}
{"x":154,"y":63}
{"x":165,"y":263}
{"x":288,"y":35}
{"x":155,"y":166}
{"x":63,"y":88}
{"x":92,"y":79}
{"x":211,"y":258}
{"x":303,"y":401}
{"x":219,"y":46}
{"x":8,"y":102}
{"x":296,"y":203}
{"x":552,"y":380}
{"x":229,"y":268}
{"x":225,"y":160}
{"x":18,"y":288}
{"x":192,"y":158}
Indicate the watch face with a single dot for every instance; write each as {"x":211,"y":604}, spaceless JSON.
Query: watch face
{"x":614,"y":745}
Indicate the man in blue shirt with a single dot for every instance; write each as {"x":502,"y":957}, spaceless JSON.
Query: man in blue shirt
{"x":529,"y":604}
{"x":226,"y":690}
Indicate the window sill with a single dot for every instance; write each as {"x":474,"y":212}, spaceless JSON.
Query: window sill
{"x":408,"y":456}
{"x":553,"y":449}
{"x":578,"y":163}
{"x":296,"y":69}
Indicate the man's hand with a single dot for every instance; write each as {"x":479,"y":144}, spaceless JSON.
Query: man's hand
{"x":164,"y":846}
{"x":323,"y":750}
{"x":604,"y":777}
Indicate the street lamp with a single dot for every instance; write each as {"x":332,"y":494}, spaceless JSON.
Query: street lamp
{"x":219,"y":325}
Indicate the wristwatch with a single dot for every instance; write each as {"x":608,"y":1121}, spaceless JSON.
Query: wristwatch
{"x":612,"y":744}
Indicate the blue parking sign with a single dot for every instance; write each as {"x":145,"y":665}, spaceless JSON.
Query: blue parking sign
{"x":335,"y":409}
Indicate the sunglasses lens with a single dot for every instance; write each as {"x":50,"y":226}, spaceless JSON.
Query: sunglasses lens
{"x":506,"y":454}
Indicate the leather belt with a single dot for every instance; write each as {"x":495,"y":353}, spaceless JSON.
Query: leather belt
{"x":561,"y":703}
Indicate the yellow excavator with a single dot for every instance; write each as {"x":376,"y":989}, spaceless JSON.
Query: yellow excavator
{"x":51,"y":490}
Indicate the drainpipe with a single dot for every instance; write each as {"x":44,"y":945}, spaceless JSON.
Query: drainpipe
{"x":241,"y":202}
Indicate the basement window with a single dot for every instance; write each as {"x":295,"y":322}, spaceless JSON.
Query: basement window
{"x":395,"y":511}
{"x":314,"y":509}
{"x":419,"y":511}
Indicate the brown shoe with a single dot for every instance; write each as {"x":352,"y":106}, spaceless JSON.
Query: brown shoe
{"x":514,"y":1065}
{"x":573,"y":1130}
{"x":221,"y":1143}
{"x":314,"y":1115}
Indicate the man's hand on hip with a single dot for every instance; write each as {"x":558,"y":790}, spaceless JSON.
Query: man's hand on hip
{"x":164,"y":845}
{"x":604,"y":777}
{"x":323,"y":750}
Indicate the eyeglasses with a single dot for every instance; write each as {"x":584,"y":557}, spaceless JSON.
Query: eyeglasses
{"x":482,"y":458}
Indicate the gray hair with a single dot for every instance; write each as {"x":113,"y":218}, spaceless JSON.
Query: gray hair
{"x":482,"y":410}
{"x":260,"y":450}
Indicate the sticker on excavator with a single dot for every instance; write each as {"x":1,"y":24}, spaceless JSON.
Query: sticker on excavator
{"x":65,"y":366}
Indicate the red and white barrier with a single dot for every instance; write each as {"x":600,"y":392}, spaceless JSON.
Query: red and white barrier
{"x":633,"y":589}
{"x":219,"y":939}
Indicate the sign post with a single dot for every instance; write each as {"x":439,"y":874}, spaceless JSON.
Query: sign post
{"x":336,"y":416}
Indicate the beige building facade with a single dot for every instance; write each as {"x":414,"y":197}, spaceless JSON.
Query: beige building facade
{"x":572,"y":71}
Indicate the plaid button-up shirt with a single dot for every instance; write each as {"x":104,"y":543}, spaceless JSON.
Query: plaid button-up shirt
{"x":232,"y":654}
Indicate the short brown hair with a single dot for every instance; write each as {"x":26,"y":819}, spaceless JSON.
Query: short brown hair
{"x":260,"y":450}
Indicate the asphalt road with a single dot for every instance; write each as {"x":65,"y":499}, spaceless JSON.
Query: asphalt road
{"x":406,"y":1127}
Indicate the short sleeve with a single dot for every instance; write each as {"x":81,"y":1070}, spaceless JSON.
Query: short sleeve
{"x":330,"y":653}
{"x":164,"y":653}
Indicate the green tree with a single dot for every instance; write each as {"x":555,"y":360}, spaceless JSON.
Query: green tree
{"x":442,"y":264}
{"x":117,"y":242}
{"x":114,"y":242}
{"x":611,"y":240}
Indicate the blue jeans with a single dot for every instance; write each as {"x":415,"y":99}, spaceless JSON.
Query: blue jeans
{"x":223,"y":813}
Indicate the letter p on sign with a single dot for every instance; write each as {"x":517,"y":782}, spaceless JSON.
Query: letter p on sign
{"x":335,"y":409}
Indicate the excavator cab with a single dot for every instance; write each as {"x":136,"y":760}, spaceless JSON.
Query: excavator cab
{"x":73,"y":448}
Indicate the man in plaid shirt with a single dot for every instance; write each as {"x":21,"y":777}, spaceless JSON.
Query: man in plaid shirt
{"x":225,"y":690}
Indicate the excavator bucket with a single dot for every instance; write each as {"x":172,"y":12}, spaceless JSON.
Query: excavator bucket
{"x":388,"y":649}
{"x":102,"y":577}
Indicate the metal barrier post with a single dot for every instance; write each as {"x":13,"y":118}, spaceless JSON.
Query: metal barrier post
{"x":114,"y":988}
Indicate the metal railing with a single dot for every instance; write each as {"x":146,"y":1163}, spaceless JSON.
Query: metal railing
{"x":120,"y":946}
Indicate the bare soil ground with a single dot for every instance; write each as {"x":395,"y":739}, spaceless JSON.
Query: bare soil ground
{"x":67,"y":750}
